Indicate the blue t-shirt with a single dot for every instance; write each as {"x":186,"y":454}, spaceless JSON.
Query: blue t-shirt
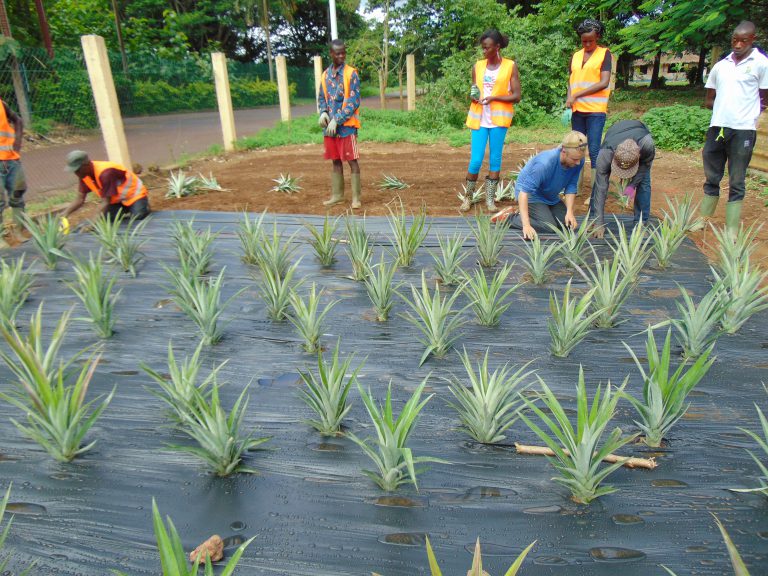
{"x":543,"y":178}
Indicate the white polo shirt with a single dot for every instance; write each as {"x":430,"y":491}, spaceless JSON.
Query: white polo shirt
{"x":737,"y":102}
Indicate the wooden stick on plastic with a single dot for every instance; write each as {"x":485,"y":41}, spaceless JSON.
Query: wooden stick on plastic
{"x":627,"y":462}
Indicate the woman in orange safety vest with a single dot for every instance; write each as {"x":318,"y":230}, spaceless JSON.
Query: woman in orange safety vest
{"x":588,"y":91}
{"x":494,"y":93}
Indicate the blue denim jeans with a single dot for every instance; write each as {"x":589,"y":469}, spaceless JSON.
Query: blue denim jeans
{"x":10,"y":192}
{"x":733,"y":146}
{"x":590,"y":124}
{"x":643,"y":199}
{"x":480,"y":140}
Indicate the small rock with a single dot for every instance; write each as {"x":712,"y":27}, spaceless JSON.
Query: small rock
{"x":213,"y":547}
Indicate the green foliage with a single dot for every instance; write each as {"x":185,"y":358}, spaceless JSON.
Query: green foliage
{"x":664,"y":395}
{"x":435,"y":317}
{"x":578,"y":450}
{"x":611,"y":287}
{"x":4,"y":532}
{"x":631,"y":250}
{"x":698,"y":325}
{"x":448,"y":261}
{"x":249,"y":230}
{"x":487,"y":299}
{"x":359,"y":247}
{"x":94,"y":288}
{"x":491,"y":402}
{"x":477,"y":562}
{"x":737,"y":563}
{"x":407,"y":239}
{"x":394,"y":461}
{"x":66,"y":98}
{"x":274,"y":253}
{"x":327,"y":391}
{"x":15,"y":287}
{"x":48,"y":237}
{"x":744,"y":293}
{"x":325,"y":241}
{"x":220,"y":442}
{"x":122,"y":248}
{"x":276,"y":291}
{"x":762,"y":442}
{"x":539,"y":259}
{"x":194,"y":247}
{"x":381,"y":289}
{"x":677,"y":127}
{"x":571,"y":320}
{"x":57,"y":414}
{"x":177,"y":389}
{"x":308,"y":318}
{"x":173,"y":560}
{"x":489,"y":239}
{"x":200,"y":299}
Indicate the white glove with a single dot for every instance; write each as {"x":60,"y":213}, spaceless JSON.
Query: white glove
{"x":331,"y":129}
{"x":324,"y":119}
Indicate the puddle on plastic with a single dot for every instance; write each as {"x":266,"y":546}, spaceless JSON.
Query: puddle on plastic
{"x":668,"y":483}
{"x":125,"y":372}
{"x":491,"y":549}
{"x":543,"y":510}
{"x":326,"y":447}
{"x":233,"y":541}
{"x":399,"y":502}
{"x":238,"y":526}
{"x":610,"y":554}
{"x":550,"y":561}
{"x":697,"y":549}
{"x":26,"y":509}
{"x":627,"y":519}
{"x":404,"y":539}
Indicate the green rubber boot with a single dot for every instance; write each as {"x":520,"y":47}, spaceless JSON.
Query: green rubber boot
{"x":706,"y":209}
{"x":18,"y":224}
{"x":356,"y":190}
{"x":733,"y":218}
{"x":337,"y":189}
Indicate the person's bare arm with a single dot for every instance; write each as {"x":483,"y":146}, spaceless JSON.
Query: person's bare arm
{"x":522,"y":202}
{"x":75,"y":205}
{"x":709,"y":99}
{"x":763,"y":99}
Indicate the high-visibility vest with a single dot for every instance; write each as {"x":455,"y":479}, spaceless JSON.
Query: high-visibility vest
{"x":586,"y":75}
{"x":501,"y":112}
{"x":7,"y":137}
{"x":353,"y":120}
{"x":128,"y":192}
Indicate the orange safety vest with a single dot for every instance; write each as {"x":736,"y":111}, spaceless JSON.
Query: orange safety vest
{"x":7,"y":137}
{"x":501,"y":112}
{"x":586,"y":75}
{"x":353,"y":120}
{"x":128,"y":192}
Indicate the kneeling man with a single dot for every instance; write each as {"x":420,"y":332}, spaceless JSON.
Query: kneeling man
{"x":540,"y":182}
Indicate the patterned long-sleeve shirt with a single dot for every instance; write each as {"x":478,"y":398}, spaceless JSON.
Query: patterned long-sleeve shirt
{"x":339,"y":108}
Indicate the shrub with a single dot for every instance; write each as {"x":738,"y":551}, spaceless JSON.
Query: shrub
{"x":678,"y":126}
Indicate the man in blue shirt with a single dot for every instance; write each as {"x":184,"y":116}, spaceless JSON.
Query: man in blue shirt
{"x":339,"y":103}
{"x":540,"y":182}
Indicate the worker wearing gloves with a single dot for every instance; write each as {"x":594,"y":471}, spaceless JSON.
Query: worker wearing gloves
{"x":339,"y":105}
{"x":121,"y":191}
{"x":627,"y":153}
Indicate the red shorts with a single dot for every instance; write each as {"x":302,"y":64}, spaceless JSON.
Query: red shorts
{"x":341,"y":148}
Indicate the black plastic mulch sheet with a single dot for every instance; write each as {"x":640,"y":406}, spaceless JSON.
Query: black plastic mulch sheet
{"x":311,"y":509}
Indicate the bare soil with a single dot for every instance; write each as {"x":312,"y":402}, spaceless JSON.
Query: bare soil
{"x":435,"y":174}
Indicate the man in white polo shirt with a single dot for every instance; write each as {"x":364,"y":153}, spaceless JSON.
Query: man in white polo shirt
{"x":737,"y":91}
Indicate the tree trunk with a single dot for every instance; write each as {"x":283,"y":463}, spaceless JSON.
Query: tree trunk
{"x":119,"y":30}
{"x":265,"y":27}
{"x":624,"y":70}
{"x":699,"y":80}
{"x":382,"y":90}
{"x":18,"y":82}
{"x":656,"y":68}
{"x":384,"y":78}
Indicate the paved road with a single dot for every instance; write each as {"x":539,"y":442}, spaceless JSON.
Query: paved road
{"x":159,"y":140}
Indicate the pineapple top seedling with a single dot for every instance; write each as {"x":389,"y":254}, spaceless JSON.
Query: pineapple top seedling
{"x":392,"y":183}
{"x":286,"y":183}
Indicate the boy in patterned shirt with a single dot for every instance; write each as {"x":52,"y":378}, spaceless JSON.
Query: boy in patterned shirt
{"x":339,"y":105}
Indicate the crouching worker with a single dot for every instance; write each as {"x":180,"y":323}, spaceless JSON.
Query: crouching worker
{"x":627,"y":153}
{"x":539,"y":184}
{"x":121,"y":191}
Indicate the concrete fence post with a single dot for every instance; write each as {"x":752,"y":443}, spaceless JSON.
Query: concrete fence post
{"x":410,"y":71}
{"x":282,"y":89}
{"x":224,"y":100}
{"x":107,"y":106}
{"x":318,"y":60}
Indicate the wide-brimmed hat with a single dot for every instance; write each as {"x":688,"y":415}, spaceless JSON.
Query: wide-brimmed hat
{"x":626,"y":159}
{"x":575,"y":140}
{"x":76,"y":159}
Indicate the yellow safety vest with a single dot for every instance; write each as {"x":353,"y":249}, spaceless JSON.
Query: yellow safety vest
{"x":501,"y":112}
{"x":128,"y":192}
{"x":7,"y":137}
{"x":586,"y":75}
{"x":353,"y":120}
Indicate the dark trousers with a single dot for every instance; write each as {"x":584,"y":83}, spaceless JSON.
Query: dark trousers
{"x":590,"y":124}
{"x":136,"y":211}
{"x":733,"y":146}
{"x":642,"y":206}
{"x":543,"y":217}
